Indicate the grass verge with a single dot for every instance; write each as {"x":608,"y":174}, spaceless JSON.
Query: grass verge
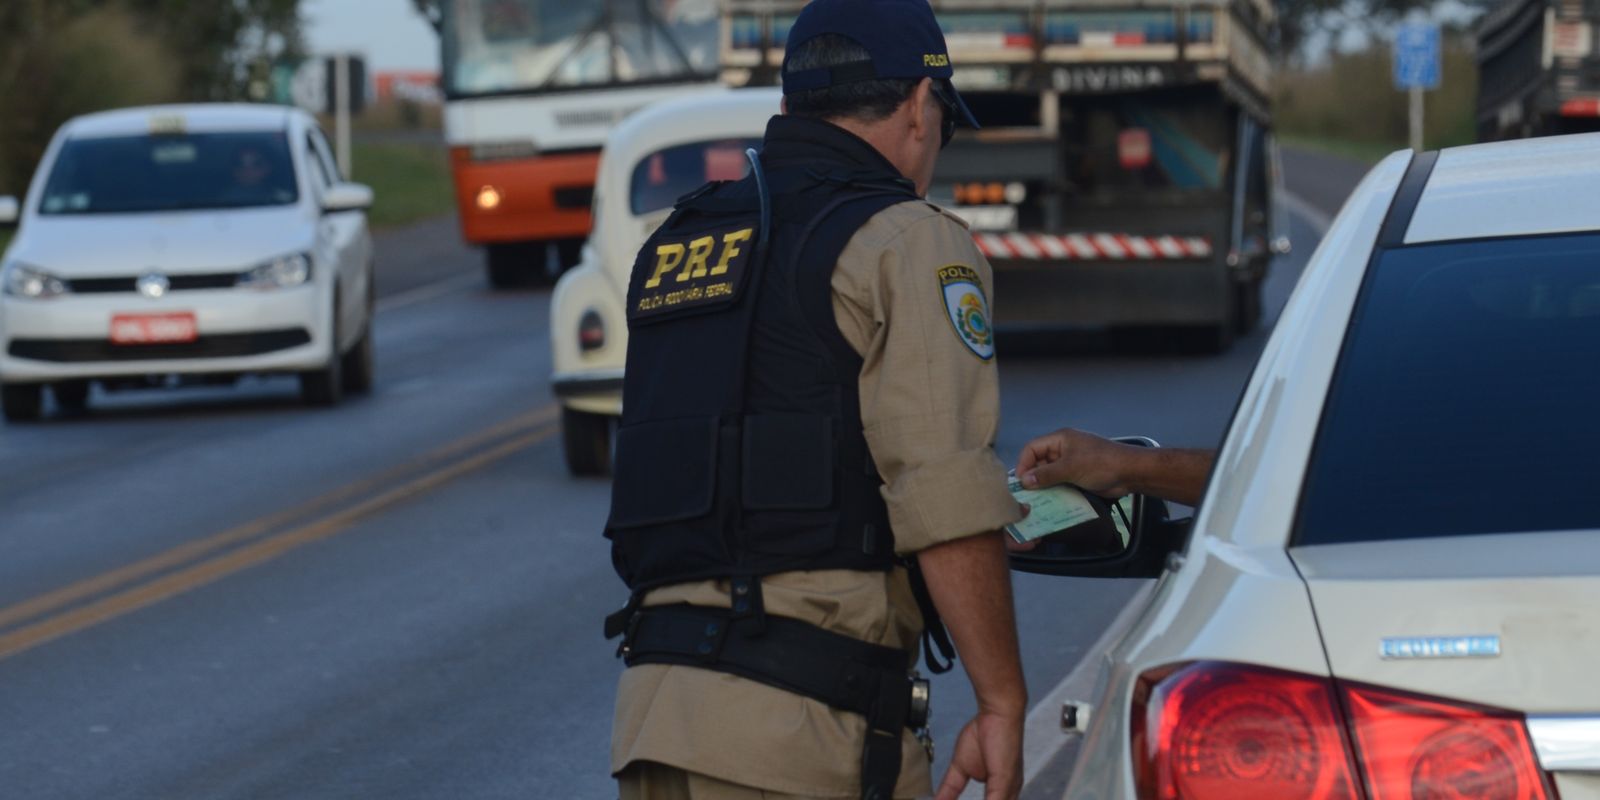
{"x":1365,"y":152}
{"x":410,"y":181}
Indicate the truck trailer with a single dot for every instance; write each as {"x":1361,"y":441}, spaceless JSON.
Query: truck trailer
{"x":1538,"y":69}
{"x":1126,"y":170}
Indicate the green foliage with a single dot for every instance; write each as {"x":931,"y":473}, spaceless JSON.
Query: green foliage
{"x":410,"y":182}
{"x":62,"y":58}
{"x":1351,"y":99}
{"x":98,"y":59}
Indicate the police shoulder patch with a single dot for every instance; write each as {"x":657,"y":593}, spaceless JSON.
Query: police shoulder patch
{"x":701,"y":272}
{"x":961,"y":289}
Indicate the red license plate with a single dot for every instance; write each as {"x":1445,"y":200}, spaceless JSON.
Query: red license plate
{"x":153,"y":328}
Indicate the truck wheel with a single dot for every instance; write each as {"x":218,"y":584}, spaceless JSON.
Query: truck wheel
{"x":72,"y":396}
{"x":1246,"y":307}
{"x":508,"y":265}
{"x":21,"y":402}
{"x":586,"y":441}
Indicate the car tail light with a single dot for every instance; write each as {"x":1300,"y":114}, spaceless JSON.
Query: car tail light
{"x":1230,"y":732}
{"x":591,"y":332}
{"x":1216,"y":730}
{"x":1414,"y":748}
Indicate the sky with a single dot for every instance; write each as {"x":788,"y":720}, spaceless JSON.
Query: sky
{"x":389,"y":33}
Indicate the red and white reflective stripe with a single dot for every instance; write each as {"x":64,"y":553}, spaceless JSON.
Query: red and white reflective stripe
{"x":1091,"y":247}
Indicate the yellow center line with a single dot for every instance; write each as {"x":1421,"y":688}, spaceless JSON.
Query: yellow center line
{"x":205,"y":572}
{"x":89,"y":587}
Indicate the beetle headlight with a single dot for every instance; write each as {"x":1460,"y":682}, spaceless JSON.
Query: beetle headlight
{"x":21,"y":280}
{"x":279,"y":273}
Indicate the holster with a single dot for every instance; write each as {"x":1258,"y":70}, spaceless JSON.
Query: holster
{"x":843,"y":672}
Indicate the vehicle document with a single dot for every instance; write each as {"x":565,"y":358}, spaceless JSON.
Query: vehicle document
{"x":1050,"y":510}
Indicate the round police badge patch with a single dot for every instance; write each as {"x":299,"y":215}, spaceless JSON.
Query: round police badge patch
{"x":967,"y":308}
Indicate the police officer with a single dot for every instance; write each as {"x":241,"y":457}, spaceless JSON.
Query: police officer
{"x":805,"y":478}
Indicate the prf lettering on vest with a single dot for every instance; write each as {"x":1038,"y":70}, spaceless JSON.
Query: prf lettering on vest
{"x":695,"y":272}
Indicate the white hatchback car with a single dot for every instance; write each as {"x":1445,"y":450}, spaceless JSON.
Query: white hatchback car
{"x":199,"y":241}
{"x":1392,"y":586}
{"x":656,"y":156}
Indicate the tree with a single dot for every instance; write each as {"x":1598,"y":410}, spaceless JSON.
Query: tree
{"x":219,"y":44}
{"x":431,"y":10}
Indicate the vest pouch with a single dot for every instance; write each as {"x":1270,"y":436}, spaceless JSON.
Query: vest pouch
{"x":789,"y":462}
{"x":666,"y":471}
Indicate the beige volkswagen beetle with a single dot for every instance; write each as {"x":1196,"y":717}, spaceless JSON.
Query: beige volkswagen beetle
{"x":652,"y":159}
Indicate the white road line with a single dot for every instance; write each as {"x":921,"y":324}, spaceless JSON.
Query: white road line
{"x":1315,"y":217}
{"x":429,"y":291}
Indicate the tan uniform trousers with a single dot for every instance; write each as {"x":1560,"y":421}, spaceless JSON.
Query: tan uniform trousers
{"x":647,"y":780}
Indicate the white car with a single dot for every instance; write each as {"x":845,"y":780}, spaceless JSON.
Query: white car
{"x":198,"y":241}
{"x":656,"y":156}
{"x":1391,"y":590}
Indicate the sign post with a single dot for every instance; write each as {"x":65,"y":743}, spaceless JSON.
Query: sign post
{"x":1416,"y":68}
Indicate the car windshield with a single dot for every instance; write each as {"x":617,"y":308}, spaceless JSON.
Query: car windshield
{"x":123,"y":174}
{"x":498,"y":46}
{"x":1464,"y":400}
{"x":660,"y":178}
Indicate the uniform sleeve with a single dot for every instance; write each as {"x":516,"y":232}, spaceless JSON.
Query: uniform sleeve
{"x":930,"y":397}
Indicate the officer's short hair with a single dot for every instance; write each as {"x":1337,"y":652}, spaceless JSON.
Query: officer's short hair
{"x":864,"y":101}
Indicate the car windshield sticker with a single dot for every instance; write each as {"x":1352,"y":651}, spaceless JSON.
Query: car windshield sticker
{"x":967,"y":308}
{"x":699,"y":272}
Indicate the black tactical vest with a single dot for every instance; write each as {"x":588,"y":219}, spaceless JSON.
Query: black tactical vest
{"x":740,"y":452}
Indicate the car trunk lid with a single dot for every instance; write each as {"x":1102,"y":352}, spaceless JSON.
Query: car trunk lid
{"x":1507,"y":621}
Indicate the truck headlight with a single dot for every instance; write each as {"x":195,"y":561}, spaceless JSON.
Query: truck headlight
{"x":22,"y":280}
{"x":279,"y":273}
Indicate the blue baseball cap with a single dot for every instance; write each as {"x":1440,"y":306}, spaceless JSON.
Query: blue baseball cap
{"x":902,"y":36}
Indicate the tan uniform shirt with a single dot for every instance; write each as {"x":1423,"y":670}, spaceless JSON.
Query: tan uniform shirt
{"x":905,"y":294}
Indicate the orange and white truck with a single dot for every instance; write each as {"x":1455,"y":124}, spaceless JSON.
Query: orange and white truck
{"x":532,"y":88}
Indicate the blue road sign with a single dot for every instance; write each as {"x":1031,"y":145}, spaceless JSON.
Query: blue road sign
{"x":1416,"y":56}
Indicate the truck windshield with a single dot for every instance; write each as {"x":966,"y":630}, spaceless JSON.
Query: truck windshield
{"x":127,"y":174}
{"x":508,"y":46}
{"x":1464,"y":400}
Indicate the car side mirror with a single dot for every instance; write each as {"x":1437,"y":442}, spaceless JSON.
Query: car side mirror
{"x":10,"y":211}
{"x":1145,"y":539}
{"x":347,"y":197}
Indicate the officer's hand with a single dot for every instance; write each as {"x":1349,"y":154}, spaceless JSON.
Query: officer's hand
{"x":989,"y":750}
{"x":1097,"y":465}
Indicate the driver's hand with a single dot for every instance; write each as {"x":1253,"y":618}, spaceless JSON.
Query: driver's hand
{"x":1090,"y":462}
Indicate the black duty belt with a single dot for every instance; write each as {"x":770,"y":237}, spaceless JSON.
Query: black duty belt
{"x":843,"y":672}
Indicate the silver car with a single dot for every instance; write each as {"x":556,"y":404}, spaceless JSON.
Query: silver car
{"x":1391,"y":590}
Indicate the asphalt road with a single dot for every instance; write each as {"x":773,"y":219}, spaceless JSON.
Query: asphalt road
{"x":221,"y":594}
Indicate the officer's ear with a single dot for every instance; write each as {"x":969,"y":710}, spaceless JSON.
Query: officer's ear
{"x":783,"y":105}
{"x":918,"y":105}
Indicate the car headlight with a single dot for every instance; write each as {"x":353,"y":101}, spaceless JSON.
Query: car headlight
{"x":22,"y":280}
{"x":279,"y":273}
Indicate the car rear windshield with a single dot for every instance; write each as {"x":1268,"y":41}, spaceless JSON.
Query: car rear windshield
{"x":1467,"y":398}
{"x":660,"y":178}
{"x":123,"y":174}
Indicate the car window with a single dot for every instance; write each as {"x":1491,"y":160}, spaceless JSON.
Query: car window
{"x":317,"y":165}
{"x":145,"y":173}
{"x":1465,"y":398}
{"x":660,"y":178}
{"x":319,"y":145}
